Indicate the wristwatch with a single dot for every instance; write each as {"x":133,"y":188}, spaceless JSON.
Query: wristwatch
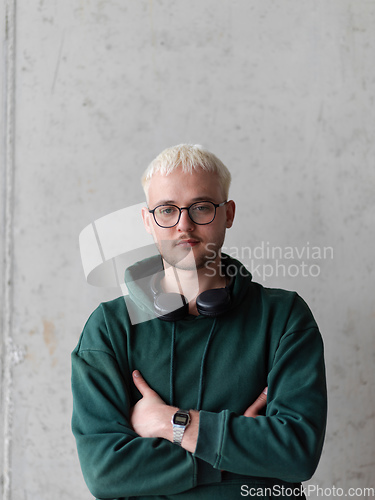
{"x":180,"y":420}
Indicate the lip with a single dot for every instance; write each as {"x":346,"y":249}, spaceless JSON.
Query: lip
{"x":188,"y":242}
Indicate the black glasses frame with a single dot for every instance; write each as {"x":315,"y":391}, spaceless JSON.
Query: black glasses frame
{"x":216,"y":205}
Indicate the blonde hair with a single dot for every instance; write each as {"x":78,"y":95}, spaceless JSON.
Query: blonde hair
{"x":190,"y":158}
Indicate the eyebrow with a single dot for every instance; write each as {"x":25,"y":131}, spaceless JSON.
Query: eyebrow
{"x":193,"y":200}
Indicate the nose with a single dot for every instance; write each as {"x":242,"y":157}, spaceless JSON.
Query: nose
{"x":185,"y":223}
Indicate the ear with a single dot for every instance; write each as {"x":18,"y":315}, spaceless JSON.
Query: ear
{"x":231,"y":210}
{"x":146,"y":216}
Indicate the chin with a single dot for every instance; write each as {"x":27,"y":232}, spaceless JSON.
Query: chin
{"x":183,"y":258}
{"x":183,"y":261}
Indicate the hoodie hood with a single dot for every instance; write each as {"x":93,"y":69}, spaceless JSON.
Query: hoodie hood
{"x":140,"y":276}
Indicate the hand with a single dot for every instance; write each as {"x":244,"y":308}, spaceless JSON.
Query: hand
{"x":255,"y":408}
{"x":150,"y":416}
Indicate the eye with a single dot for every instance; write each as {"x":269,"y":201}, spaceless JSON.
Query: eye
{"x":167,"y":210}
{"x":202,"y":207}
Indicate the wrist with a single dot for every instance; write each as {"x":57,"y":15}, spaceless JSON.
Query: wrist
{"x":180,"y":422}
{"x":190,"y":436}
{"x":166,"y":428}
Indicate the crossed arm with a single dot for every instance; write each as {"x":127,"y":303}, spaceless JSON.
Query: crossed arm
{"x":151,"y":416}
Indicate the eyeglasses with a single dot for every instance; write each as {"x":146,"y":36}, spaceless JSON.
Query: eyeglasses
{"x":201,"y":212}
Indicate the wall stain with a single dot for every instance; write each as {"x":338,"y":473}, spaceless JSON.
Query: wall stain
{"x":49,"y":336}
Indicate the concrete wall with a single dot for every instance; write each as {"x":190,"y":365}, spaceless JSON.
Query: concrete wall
{"x":282,"y":92}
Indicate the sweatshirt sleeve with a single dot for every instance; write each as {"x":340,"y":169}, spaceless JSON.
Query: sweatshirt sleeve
{"x":115,"y":461}
{"x":286,"y":442}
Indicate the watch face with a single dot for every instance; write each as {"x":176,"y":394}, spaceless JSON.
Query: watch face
{"x":180,"y":419}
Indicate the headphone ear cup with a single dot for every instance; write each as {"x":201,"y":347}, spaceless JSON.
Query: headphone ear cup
{"x":213,"y":302}
{"x":170,"y":306}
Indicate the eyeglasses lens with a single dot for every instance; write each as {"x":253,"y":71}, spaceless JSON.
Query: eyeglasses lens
{"x":200,"y":213}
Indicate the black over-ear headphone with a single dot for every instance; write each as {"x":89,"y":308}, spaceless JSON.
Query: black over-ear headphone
{"x":174,"y":306}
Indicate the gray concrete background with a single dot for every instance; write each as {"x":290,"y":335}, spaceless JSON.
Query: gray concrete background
{"x":282,"y":92}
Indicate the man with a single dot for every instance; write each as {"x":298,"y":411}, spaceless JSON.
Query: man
{"x":163,"y":406}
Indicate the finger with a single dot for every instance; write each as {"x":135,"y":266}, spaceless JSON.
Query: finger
{"x":141,"y":384}
{"x":255,"y":408}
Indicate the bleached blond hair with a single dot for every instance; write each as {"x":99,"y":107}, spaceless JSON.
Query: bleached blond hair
{"x":190,"y":158}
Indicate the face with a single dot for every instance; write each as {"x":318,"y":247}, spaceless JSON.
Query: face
{"x":188,"y":245}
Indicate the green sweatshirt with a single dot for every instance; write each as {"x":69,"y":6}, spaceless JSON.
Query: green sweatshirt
{"x":218,"y":366}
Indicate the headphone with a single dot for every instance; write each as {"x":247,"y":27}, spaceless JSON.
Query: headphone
{"x":174,"y":306}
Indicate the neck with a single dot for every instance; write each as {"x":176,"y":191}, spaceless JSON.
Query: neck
{"x":191,"y":283}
